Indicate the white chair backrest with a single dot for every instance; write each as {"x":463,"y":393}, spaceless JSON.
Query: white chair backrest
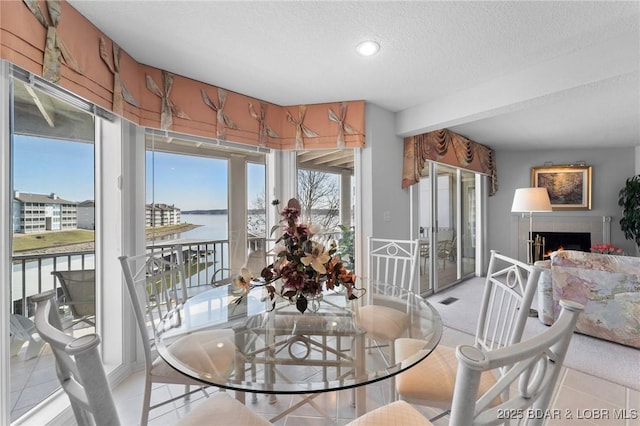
{"x":393,"y":262}
{"x":79,"y":288}
{"x":533,"y":364}
{"x":156,"y":283}
{"x":508,"y":293}
{"x":78,"y":366}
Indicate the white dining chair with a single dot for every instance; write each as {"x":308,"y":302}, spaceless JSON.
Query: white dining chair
{"x":82,"y":376}
{"x":22,"y":330}
{"x":509,"y":290}
{"x":78,"y":366}
{"x":392,"y":275}
{"x":521,"y":395}
{"x":222,"y":276}
{"x":156,"y":283}
{"x":79,"y":289}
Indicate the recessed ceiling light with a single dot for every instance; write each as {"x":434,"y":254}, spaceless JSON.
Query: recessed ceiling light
{"x":368,"y":48}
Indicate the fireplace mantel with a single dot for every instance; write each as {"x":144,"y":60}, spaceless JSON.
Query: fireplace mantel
{"x":598,"y":226}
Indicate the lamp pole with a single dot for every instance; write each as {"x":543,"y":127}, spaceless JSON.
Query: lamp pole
{"x":529,"y":200}
{"x":530,"y":241}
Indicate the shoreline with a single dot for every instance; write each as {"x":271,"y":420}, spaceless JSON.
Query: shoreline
{"x":185,"y":228}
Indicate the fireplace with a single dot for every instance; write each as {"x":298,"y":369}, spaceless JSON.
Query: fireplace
{"x":597,"y":228}
{"x":553,"y":241}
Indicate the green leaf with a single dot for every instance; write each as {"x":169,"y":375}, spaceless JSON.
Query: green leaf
{"x":630,"y":202}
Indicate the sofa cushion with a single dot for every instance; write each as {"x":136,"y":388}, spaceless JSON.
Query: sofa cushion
{"x":609,"y":288}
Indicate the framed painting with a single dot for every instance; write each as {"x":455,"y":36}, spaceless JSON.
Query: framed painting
{"x":569,"y":187}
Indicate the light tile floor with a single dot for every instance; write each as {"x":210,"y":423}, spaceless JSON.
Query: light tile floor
{"x":32,"y":380}
{"x":581,"y":399}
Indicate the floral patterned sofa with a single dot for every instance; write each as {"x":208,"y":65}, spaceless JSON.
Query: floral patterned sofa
{"x":607,"y":285}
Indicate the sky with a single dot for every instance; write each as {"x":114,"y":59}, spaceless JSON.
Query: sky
{"x":43,"y":166}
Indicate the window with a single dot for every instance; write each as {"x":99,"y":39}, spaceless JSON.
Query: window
{"x":256,"y":202}
{"x":53,"y":171}
{"x":325,"y":187}
{"x":319,"y":196}
{"x":186,"y":196}
{"x":193,"y":188}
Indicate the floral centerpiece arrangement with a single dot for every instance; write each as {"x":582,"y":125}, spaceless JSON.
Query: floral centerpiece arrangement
{"x":606,"y":249}
{"x":303,"y":264}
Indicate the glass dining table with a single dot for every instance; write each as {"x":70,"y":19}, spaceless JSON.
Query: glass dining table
{"x":252,"y":346}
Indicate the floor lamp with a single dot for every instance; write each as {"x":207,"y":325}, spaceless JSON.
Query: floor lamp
{"x":529,"y":200}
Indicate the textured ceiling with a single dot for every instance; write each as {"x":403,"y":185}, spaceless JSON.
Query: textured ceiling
{"x":512,"y":75}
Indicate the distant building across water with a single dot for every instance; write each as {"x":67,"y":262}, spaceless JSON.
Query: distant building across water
{"x":161,"y":215}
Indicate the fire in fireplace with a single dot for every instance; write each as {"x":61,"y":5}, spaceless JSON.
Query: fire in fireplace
{"x":553,"y":241}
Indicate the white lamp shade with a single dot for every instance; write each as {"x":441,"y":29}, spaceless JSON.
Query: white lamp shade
{"x":531,"y":200}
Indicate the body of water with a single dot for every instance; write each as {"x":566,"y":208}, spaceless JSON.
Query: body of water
{"x":212,"y":226}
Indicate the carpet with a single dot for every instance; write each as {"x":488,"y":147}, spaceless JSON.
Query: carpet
{"x":610,"y":361}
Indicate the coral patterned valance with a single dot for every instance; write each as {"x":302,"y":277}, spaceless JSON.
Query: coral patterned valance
{"x":51,"y":39}
{"x":445,"y":146}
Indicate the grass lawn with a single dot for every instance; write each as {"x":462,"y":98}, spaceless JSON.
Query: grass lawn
{"x":22,"y":242}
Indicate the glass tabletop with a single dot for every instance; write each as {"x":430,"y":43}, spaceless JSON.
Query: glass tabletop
{"x":246,"y":344}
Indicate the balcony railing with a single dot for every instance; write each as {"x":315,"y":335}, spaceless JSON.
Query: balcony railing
{"x":31,"y":273}
{"x":204,"y":261}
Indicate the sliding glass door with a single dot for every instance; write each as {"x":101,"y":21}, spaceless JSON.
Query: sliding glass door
{"x":54,"y":231}
{"x":446,"y":237}
{"x":447,"y":218}
{"x":468,"y":230}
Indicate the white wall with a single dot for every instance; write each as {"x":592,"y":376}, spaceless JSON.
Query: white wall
{"x":382,"y":174}
{"x":385,"y":205}
{"x":611,"y":168}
